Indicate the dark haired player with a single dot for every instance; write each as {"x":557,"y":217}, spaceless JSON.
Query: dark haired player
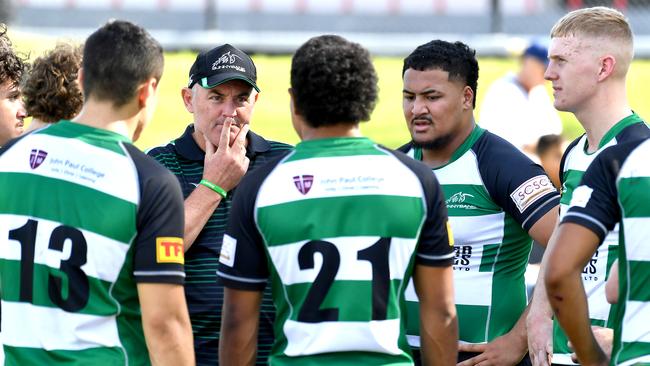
{"x":337,"y":227}
{"x":496,"y":197}
{"x":91,"y":268}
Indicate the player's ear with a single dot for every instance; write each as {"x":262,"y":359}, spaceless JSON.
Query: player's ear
{"x":468,"y":98}
{"x":187,"y":95}
{"x":147,"y":91}
{"x":607,"y":66}
{"x":80,"y":77}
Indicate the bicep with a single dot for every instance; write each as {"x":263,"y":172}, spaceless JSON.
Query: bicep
{"x":574,"y":245}
{"x":543,"y":228}
{"x":161,"y":301}
{"x":434,"y":286}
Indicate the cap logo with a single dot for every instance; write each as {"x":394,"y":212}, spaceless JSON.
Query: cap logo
{"x":226,"y":60}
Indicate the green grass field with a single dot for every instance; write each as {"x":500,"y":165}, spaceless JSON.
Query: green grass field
{"x":272,"y":120}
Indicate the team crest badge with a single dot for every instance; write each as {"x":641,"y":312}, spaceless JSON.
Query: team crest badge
{"x":303,"y":183}
{"x":36,"y":158}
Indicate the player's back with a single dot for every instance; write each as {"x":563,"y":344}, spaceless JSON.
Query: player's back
{"x":69,"y":199}
{"x":341,"y":220}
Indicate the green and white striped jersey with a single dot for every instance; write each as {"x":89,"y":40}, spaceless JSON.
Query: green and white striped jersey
{"x":84,"y":217}
{"x":574,"y":163}
{"x":337,"y":225}
{"x":494,"y":195}
{"x":616,"y":190}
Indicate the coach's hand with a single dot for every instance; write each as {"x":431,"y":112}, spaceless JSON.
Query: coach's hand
{"x":226,"y":164}
{"x":507,"y":350}
{"x":540,"y":339}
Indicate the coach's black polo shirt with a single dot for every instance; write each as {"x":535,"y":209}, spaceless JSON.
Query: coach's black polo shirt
{"x":184,"y":158}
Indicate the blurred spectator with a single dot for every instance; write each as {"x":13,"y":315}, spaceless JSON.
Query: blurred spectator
{"x":50,"y":90}
{"x":518,"y":107}
{"x":549,"y":150}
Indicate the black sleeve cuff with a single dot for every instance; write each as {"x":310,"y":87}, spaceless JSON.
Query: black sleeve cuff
{"x":238,"y":283}
{"x":435,"y":261}
{"x":588,"y":222}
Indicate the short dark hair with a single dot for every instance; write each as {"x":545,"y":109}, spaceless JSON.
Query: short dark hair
{"x":12,"y":65}
{"x":117,"y":58}
{"x":457,"y":58}
{"x":333,"y":80}
{"x":547,"y":142}
{"x":50,"y":90}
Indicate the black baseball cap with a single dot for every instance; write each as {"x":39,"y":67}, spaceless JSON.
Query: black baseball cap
{"x":222,"y":64}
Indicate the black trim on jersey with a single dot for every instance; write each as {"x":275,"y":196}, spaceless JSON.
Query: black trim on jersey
{"x":250,"y":253}
{"x":433,"y":248}
{"x":13,"y":141}
{"x":160,"y":214}
{"x":565,"y":156}
{"x":602,"y":211}
{"x":504,"y":169}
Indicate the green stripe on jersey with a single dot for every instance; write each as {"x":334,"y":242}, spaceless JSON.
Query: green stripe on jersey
{"x":471,"y":322}
{"x":334,"y":147}
{"x":340,"y":297}
{"x":466,"y":200}
{"x":109,"y":212}
{"x":571,"y":179}
{"x":20,"y":356}
{"x":99,"y":301}
{"x":93,"y":136}
{"x":632,"y":350}
{"x":346,"y":216}
{"x":638,"y":285}
{"x":634,"y":196}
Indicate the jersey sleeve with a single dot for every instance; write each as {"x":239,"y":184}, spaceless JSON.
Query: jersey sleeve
{"x":435,"y":245}
{"x":243,"y":263}
{"x":518,"y":185}
{"x":594,"y":203}
{"x":158,"y":245}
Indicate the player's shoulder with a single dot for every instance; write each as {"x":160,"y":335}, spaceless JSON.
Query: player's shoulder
{"x":421,"y":170}
{"x":146,"y":165}
{"x":633,"y":132}
{"x":494,"y":152}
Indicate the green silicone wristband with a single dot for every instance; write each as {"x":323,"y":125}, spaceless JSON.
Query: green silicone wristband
{"x":222,"y":192}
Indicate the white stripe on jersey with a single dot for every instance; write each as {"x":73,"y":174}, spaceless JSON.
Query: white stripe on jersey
{"x":77,"y":162}
{"x":340,"y":177}
{"x":635,"y":322}
{"x":313,"y":338}
{"x":105,"y":256}
{"x":462,"y":171}
{"x":27,"y":325}
{"x":285,"y":259}
{"x":637,"y":232}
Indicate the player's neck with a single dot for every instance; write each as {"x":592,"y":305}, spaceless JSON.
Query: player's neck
{"x":104,"y":115}
{"x":338,"y":130}
{"x":601,"y":116}
{"x":436,"y":158}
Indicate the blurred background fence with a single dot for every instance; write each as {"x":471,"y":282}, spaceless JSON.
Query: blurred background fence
{"x":493,"y":27}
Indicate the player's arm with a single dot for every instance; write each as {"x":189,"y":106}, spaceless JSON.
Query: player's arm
{"x":525,"y":192}
{"x":574,"y":246}
{"x":243,"y":270}
{"x":438,"y":321}
{"x":166,"y":324}
{"x":158,"y":264}
{"x":593,"y":212}
{"x":239,"y":325}
{"x":224,"y":166}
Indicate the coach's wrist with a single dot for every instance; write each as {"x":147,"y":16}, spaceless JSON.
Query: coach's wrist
{"x":214,"y":187}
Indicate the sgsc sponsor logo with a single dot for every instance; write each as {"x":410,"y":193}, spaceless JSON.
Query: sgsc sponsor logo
{"x":530,"y":191}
